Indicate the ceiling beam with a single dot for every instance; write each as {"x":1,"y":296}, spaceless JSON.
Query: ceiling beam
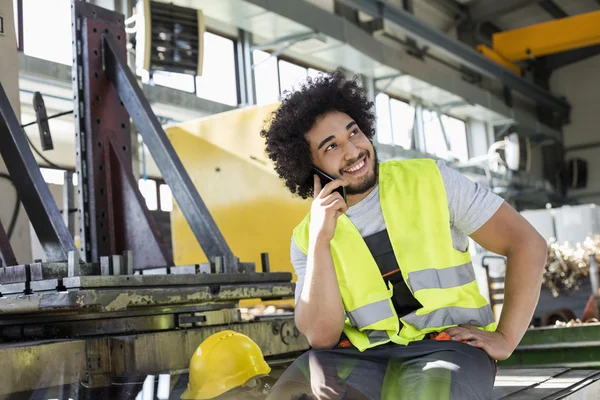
{"x":485,"y":9}
{"x":553,"y":9}
{"x":451,"y":6}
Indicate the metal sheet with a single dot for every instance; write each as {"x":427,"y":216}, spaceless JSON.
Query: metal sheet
{"x":27,"y":366}
{"x":111,"y":300}
{"x":41,"y":271}
{"x":575,"y":347}
{"x":53,"y":317}
{"x":100,"y":361}
{"x":171,"y":351}
{"x":137,"y":230}
{"x":199,"y":218}
{"x":173,"y":280}
{"x":33,"y":190}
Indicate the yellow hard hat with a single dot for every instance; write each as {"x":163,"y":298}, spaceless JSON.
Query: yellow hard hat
{"x":223,"y":361}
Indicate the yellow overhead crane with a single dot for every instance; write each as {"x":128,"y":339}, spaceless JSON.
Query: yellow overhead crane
{"x":543,"y":39}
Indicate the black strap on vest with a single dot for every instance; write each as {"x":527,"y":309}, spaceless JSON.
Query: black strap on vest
{"x":381,"y":249}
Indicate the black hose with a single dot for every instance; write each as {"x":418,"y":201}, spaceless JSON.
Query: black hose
{"x":15,"y":216}
{"x":49,"y":118}
{"x":50,"y":163}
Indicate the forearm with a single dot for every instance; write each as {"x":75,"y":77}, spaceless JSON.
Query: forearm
{"x":320,"y":312}
{"x":524,"y":269}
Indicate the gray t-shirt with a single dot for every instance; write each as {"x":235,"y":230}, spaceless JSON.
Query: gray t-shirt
{"x":470,"y":204}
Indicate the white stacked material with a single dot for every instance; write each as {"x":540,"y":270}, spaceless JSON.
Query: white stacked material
{"x":575,"y":223}
{"x":542,"y":221}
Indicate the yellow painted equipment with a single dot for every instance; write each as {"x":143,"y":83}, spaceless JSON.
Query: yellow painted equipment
{"x":225,"y":158}
{"x":492,"y":55}
{"x":549,"y":37}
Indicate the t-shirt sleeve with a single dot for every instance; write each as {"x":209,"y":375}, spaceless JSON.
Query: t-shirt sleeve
{"x":470,"y":204}
{"x":298,"y":259}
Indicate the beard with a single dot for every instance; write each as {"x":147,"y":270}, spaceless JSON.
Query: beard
{"x":368,"y":181}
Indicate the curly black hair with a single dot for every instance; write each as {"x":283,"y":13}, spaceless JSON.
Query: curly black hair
{"x":285,"y":137}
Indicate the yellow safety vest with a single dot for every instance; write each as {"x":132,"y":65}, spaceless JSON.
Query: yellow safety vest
{"x":415,"y":209}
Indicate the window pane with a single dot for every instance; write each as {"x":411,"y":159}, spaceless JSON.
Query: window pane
{"x":434,"y":139}
{"x":290,"y":75}
{"x":174,"y":80}
{"x":148,"y":190}
{"x":313,"y":73}
{"x":16,"y":16}
{"x":457,"y":134}
{"x":403,"y":117}
{"x":218,"y":81}
{"x":53,"y":176}
{"x":384,"y":126}
{"x":265,"y":77}
{"x":166,"y":201}
{"x":47,"y":30}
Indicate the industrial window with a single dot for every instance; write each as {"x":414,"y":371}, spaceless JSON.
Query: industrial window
{"x":449,"y":143}
{"x":53,"y":176}
{"x":265,"y":77}
{"x":166,"y":199}
{"x":395,"y":120}
{"x":174,"y":80}
{"x":47,"y":30}
{"x":313,"y":73}
{"x":149,"y":191}
{"x":290,"y":75}
{"x":218,"y":81}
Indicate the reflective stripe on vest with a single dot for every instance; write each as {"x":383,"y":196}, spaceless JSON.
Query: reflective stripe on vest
{"x":371,"y":313}
{"x":446,"y":316}
{"x":441,"y":278}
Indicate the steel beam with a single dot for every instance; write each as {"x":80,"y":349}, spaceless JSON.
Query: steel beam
{"x":7,"y":256}
{"x":33,"y":191}
{"x":553,"y":9}
{"x":459,"y":52}
{"x":485,"y":9}
{"x":199,"y":218}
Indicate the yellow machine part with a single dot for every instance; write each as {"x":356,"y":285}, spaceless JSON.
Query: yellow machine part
{"x":492,"y":55}
{"x":225,"y":158}
{"x":549,"y":37}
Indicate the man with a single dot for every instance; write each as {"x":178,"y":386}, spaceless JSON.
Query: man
{"x":382,"y":274}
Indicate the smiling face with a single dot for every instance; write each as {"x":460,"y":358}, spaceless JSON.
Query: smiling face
{"x":342,"y":150}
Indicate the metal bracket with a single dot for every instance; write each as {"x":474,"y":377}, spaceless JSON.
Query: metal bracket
{"x":42,"y":121}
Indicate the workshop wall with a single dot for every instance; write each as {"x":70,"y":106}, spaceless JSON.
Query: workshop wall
{"x":579,"y":82}
{"x":8,"y":77}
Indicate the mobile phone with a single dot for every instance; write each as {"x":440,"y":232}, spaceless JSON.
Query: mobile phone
{"x":325,"y":179}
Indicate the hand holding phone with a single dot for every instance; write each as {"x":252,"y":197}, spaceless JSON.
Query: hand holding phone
{"x":325,"y":179}
{"x":326,"y":208}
